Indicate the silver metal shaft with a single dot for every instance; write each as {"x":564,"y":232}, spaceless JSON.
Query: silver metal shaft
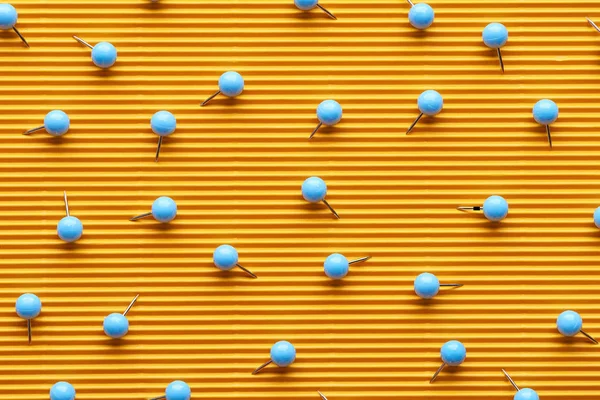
{"x":160,"y":140}
{"x":257,"y":370}
{"x":410,"y":128}
{"x":131,"y":304}
{"x":322,"y":395}
{"x":549,"y":137}
{"x":589,"y":337}
{"x":437,"y":372}
{"x":359,"y":260}
{"x":500,"y":58}
{"x":29,"y":331}
{"x":470,"y":208}
{"x":315,"y":131}
{"x":593,"y":24}
{"x":331,"y":209}
{"x":159,"y":398}
{"x":66,"y":203}
{"x":452,"y":284}
{"x":510,"y":380}
{"x":39,"y":128}
{"x":246,"y":271}
{"x":327,"y":12}
{"x":83,"y":42}
{"x":210,"y":98}
{"x":21,"y":36}
{"x":411,"y":3}
{"x":144,"y":215}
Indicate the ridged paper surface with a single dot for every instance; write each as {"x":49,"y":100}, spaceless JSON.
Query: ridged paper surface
{"x":235,"y":168}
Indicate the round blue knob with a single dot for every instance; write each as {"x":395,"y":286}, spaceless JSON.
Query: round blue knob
{"x":427,"y":285}
{"x":28,"y":306}
{"x":421,"y":16}
{"x":495,"y":208}
{"x":62,"y":391}
{"x":329,"y":112}
{"x":545,"y":112}
{"x":116,"y":325}
{"x":231,"y":84}
{"x":306,"y":5}
{"x":225,"y":257}
{"x":453,"y":353}
{"x":569,"y":323}
{"x":8,"y":16}
{"x":178,"y":390}
{"x":314,"y":189}
{"x":283,"y":353}
{"x":69,"y":229}
{"x":430,"y":102}
{"x":495,"y":35}
{"x":336,"y":266}
{"x":57,"y":123}
{"x":163,"y":123}
{"x":597,"y":217}
{"x":164,"y":209}
{"x":104,"y":55}
{"x":526,"y":394}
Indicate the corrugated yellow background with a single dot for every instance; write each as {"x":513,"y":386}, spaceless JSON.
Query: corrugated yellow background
{"x":235,"y":169}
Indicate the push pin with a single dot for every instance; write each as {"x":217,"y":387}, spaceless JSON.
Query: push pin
{"x":597,"y":217}
{"x":226,"y":257}
{"x":283,"y":354}
{"x":104,"y":54}
{"x":420,"y":15}
{"x":495,"y":208}
{"x":62,"y":391}
{"x":116,"y":325}
{"x":336,"y":266}
{"x":231,"y":84}
{"x":329,"y":113}
{"x":307,"y":5}
{"x":8,"y":19}
{"x":176,"y":390}
{"x":522,"y":394}
{"x":314,"y":190}
{"x":69,"y":228}
{"x":56,"y":123}
{"x":28,"y":307}
{"x":164,"y":210}
{"x":427,"y":285}
{"x":495,"y":36}
{"x":569,"y":323}
{"x":593,"y":24}
{"x":453,"y":354}
{"x":545,"y":112}
{"x":322,"y":395}
{"x":430,"y":103}
{"x":163,"y":123}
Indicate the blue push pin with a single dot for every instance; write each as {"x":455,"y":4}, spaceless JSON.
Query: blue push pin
{"x":569,"y":323}
{"x":522,"y":394}
{"x":231,"y":84}
{"x":495,"y":208}
{"x":62,"y":391}
{"x":453,"y":354}
{"x":163,"y":123}
{"x":176,"y":390}
{"x":69,"y":228}
{"x":226,"y":258}
{"x":495,"y":36}
{"x":306,"y":5}
{"x":28,"y":306}
{"x":116,"y":325}
{"x":104,"y":54}
{"x":283,"y":354}
{"x":314,"y":190}
{"x":329,"y":113}
{"x":428,"y":285}
{"x":593,"y":24}
{"x":420,"y":15}
{"x":56,"y":123}
{"x":597,"y":217}
{"x":164,"y":210}
{"x":322,"y":395}
{"x":430,"y":103}
{"x":8,"y":19}
{"x":545,"y":112}
{"x":336,"y":266}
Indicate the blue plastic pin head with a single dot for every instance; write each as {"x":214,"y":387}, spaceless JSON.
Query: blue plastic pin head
{"x":163,"y":123}
{"x":8,"y":20}
{"x":420,"y":15}
{"x":306,"y":5}
{"x":597,"y":217}
{"x":62,"y":391}
{"x":329,"y":113}
{"x":453,"y":353}
{"x":430,"y":103}
{"x":104,"y":54}
{"x":522,"y":394}
{"x":178,"y":390}
{"x":28,"y":306}
{"x":164,"y":210}
{"x":495,"y":208}
{"x":117,"y":325}
{"x":495,"y":36}
{"x":545,"y":112}
{"x":283,"y":354}
{"x":428,"y":285}
{"x":569,"y":323}
{"x":56,"y":123}
{"x":336,"y":266}
{"x":69,"y":228}
{"x":226,"y":258}
{"x":314,"y":190}
{"x":231,"y":84}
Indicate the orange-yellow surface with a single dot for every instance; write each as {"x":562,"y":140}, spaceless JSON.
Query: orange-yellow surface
{"x":235,"y":168}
